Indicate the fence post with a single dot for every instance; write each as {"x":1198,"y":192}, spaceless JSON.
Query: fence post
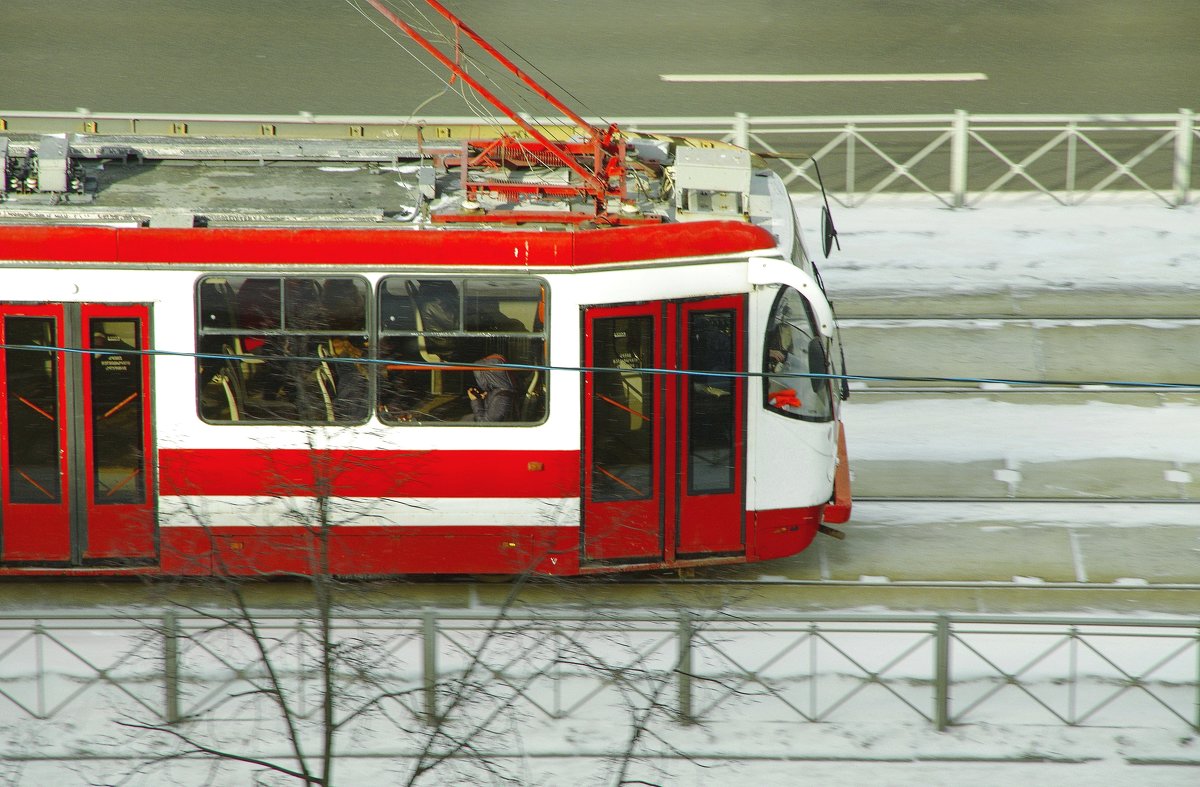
{"x":1196,"y":720}
{"x":39,"y":660}
{"x":429,"y":665}
{"x":851,"y":134}
{"x":170,"y":634}
{"x":958,"y":159}
{"x":683,"y":670}
{"x":741,"y":130}
{"x":941,"y":672}
{"x":1072,"y":158}
{"x":1184,"y":137}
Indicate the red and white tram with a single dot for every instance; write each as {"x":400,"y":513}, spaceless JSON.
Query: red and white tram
{"x":376,"y":357}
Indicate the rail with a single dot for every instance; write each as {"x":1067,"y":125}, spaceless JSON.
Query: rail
{"x":958,"y":159}
{"x":74,"y":675}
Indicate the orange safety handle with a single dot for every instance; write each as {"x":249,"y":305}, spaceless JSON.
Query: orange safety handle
{"x":785,"y":398}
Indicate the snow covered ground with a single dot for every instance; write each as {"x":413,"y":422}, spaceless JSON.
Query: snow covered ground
{"x":1101,"y":441}
{"x":558,"y":706}
{"x":1023,"y":432}
{"x":874,"y":732}
{"x":780,"y":756}
{"x":896,"y":246}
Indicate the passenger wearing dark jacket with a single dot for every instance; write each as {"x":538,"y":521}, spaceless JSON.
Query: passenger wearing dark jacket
{"x":494,"y":395}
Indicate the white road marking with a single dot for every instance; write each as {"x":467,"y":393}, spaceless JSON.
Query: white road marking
{"x":964,"y":77}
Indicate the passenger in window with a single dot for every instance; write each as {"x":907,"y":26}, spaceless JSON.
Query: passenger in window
{"x":781,"y":359}
{"x":350,"y":381}
{"x":344,"y":304}
{"x":489,"y":317}
{"x":779,"y":347}
{"x":397,"y":400}
{"x":792,"y":356}
{"x":494,"y":395}
{"x":438,"y":303}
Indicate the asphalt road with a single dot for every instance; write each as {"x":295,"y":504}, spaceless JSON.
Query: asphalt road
{"x":323,"y":56}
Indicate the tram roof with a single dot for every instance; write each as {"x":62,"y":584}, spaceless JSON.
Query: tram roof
{"x":154,"y":199}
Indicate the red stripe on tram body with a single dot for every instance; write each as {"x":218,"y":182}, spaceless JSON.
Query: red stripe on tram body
{"x":502,"y":474}
{"x":368,"y":551}
{"x":358,"y":247}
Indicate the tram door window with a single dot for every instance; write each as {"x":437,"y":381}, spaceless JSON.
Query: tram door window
{"x":623,"y":398}
{"x":32,"y":408}
{"x":711,"y":404}
{"x":116,"y":412}
{"x":76,"y":469}
{"x":710,"y":505}
{"x":664,"y":451}
{"x":623,"y":434}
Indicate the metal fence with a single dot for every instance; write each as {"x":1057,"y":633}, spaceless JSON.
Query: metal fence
{"x":958,"y":160}
{"x":936,"y":670}
{"x":962,"y":160}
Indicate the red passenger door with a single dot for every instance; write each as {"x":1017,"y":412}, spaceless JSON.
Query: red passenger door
{"x":623,"y":516}
{"x":664,"y":452}
{"x":77,"y":479}
{"x":712,"y":428}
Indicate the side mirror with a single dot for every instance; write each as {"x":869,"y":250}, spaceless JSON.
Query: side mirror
{"x":818,"y":364}
{"x":828,"y":231}
{"x":829,"y":235}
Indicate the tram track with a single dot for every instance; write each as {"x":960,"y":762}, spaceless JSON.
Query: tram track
{"x":1080,"y":391}
{"x":712,"y":592}
{"x":1017,"y":448}
{"x":706,"y":595}
{"x":920,"y":584}
{"x":727,"y":595}
{"x":1028,"y":500}
{"x":1062,"y":317}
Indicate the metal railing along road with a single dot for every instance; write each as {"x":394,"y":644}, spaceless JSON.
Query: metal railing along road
{"x":937,"y":670}
{"x":958,"y":159}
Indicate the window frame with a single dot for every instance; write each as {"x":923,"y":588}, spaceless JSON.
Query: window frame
{"x":221,"y":354}
{"x":234,"y":364}
{"x":537,"y":334}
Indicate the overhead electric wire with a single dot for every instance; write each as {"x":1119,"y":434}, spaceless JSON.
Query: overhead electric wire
{"x":484,"y":119}
{"x":435,"y":34}
{"x":480,"y":71}
{"x":422,"y":364}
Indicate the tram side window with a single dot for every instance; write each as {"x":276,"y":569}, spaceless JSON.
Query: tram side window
{"x":793,"y":352}
{"x":461,"y":350}
{"x":282,"y":349}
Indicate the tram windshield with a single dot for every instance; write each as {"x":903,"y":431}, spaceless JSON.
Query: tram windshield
{"x":795,"y":361}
